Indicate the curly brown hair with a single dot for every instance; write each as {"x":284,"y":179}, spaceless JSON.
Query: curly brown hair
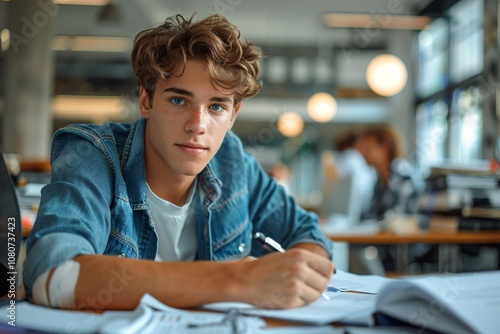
{"x":232,"y":63}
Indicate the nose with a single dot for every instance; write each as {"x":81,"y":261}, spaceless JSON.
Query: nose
{"x":197,"y":120}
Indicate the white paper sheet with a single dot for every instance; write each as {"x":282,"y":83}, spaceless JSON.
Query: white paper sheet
{"x":151,"y":316}
{"x":360,"y":283}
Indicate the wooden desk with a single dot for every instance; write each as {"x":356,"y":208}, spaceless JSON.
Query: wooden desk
{"x":444,"y":240}
{"x":465,"y":237}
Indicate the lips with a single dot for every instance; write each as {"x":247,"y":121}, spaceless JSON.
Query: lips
{"x":194,"y":148}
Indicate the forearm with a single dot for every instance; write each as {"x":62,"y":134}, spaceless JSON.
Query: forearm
{"x":107,"y":282}
{"x":297,"y":277}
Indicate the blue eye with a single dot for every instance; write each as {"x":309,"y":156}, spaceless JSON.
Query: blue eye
{"x":217,"y":107}
{"x":177,"y":101}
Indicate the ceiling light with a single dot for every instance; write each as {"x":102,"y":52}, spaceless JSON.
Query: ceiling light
{"x":90,"y":43}
{"x":369,"y":21}
{"x":82,"y":2}
{"x":4,"y":39}
{"x":322,"y":107}
{"x":290,"y":124}
{"x":386,"y":75}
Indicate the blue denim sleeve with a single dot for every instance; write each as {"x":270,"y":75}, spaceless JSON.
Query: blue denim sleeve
{"x":74,"y":215}
{"x":277,"y":215}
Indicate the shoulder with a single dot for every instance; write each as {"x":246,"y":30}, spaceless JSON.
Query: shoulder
{"x":109,"y":139}
{"x":406,"y":172}
{"x":95,"y":132}
{"x":232,"y":161}
{"x":403,"y":168}
{"x":231,"y":153}
{"x":351,"y":157}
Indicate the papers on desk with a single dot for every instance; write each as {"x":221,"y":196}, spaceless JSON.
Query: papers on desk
{"x":357,"y":299}
{"x":151,"y":316}
{"x":460,"y":303}
{"x":304,"y":329}
{"x":358,"y":283}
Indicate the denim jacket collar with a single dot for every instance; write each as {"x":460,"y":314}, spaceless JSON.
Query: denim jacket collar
{"x":133,"y":161}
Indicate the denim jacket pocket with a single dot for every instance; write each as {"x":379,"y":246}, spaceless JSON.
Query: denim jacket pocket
{"x":121,"y":245}
{"x":236,"y":244}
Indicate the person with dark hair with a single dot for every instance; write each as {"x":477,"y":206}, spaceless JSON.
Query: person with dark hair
{"x":169,"y":204}
{"x":398,"y":186}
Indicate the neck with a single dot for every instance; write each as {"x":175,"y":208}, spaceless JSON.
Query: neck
{"x":165,"y":183}
{"x":384,"y":171}
{"x":175,"y":192}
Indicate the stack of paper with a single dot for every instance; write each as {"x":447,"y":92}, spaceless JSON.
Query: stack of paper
{"x":151,"y":316}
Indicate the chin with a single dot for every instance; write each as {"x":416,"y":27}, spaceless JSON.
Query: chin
{"x":192,"y":171}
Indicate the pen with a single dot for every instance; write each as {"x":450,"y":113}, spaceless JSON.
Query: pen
{"x":268,"y":243}
{"x":273,"y":246}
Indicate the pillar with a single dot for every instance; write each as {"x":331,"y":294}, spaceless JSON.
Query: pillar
{"x":29,"y":67}
{"x":402,"y":106}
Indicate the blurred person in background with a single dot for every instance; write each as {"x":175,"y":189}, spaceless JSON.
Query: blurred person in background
{"x":397,"y":189}
{"x":282,"y":174}
{"x":398,"y":186}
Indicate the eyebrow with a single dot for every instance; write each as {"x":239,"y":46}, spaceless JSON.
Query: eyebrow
{"x":184,"y":92}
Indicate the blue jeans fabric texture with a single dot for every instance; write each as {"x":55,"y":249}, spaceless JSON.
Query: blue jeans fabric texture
{"x":96,"y":202}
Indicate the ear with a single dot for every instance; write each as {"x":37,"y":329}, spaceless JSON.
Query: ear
{"x":144,"y":102}
{"x":235,"y":113}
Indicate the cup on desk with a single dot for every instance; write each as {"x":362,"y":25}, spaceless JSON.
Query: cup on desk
{"x":403,"y":224}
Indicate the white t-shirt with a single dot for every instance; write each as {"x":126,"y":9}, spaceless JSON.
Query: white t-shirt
{"x":175,"y":227}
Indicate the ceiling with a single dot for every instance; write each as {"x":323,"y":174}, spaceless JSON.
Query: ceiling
{"x":294,"y":22}
{"x":267,"y":22}
{"x":286,"y":28}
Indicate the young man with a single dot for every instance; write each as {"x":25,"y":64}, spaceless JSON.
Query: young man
{"x":168,"y":205}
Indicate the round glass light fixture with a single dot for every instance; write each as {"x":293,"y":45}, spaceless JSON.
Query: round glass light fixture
{"x":290,"y":124}
{"x":386,"y":75}
{"x":322,"y":107}
{"x":4,"y":39}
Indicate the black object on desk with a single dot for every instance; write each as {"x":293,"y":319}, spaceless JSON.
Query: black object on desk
{"x":10,"y":232}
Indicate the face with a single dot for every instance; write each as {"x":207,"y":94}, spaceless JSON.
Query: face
{"x":187,"y":121}
{"x":375,"y":154}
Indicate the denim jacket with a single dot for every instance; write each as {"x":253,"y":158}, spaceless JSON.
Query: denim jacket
{"x":96,"y":202}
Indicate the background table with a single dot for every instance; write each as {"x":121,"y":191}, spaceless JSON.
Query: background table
{"x":447,"y":257}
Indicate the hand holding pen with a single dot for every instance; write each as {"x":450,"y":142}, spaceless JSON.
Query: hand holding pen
{"x":273,"y":246}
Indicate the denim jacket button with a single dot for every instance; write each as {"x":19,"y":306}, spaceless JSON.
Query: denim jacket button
{"x":242,"y":247}
{"x":122,"y":255}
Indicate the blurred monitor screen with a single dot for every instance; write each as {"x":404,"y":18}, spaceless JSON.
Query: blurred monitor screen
{"x":466,"y":39}
{"x":432,"y":132}
{"x":433,"y":58}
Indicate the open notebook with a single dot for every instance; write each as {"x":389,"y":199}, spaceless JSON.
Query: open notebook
{"x":459,"y":303}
